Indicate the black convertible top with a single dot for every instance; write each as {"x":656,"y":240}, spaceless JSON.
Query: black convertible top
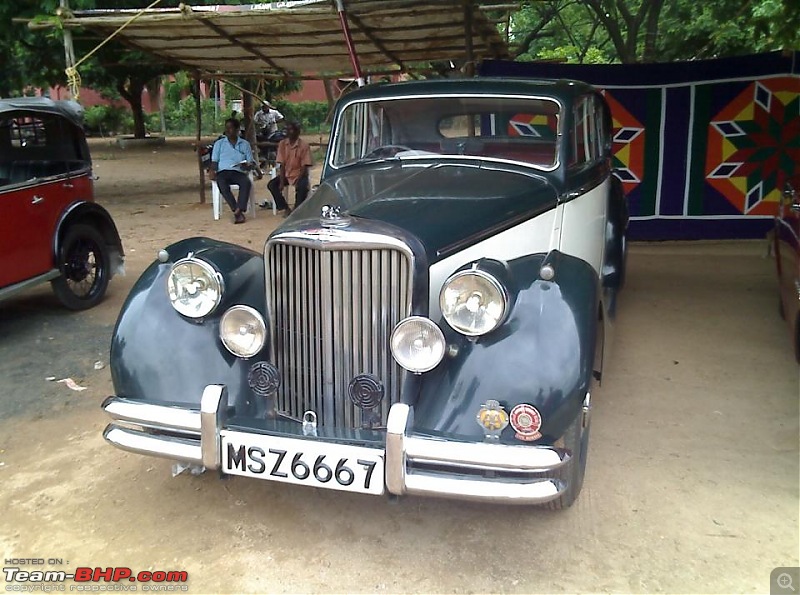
{"x":68,"y":109}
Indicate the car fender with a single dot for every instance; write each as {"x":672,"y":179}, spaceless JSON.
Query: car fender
{"x":160,"y":354}
{"x":542,"y":355}
{"x":91,"y":213}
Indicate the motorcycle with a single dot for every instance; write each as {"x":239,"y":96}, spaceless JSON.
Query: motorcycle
{"x":268,"y":146}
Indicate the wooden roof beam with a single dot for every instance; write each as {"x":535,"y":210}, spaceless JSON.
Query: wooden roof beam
{"x":376,"y":42}
{"x":246,"y":46}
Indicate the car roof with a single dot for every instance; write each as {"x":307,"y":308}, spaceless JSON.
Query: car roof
{"x":68,"y":109}
{"x":562,"y":89}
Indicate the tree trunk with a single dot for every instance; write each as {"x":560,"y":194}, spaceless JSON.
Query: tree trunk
{"x":248,"y":111}
{"x":651,"y":31}
{"x":133,"y":95}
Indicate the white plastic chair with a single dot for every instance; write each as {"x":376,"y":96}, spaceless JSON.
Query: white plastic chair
{"x":273,"y":173}
{"x":216,"y":197}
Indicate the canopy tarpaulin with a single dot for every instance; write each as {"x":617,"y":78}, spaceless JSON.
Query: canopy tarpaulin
{"x":305,"y":36}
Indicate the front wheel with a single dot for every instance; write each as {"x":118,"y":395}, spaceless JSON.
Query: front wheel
{"x":85,"y":265}
{"x":576,"y":441}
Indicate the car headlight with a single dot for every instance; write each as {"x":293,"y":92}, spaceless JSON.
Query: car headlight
{"x":417,"y":344}
{"x":242,"y":331}
{"x":194,"y":287}
{"x":473,"y":302}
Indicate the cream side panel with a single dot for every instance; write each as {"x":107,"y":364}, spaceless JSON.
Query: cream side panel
{"x":526,"y":238}
{"x":583,"y":228}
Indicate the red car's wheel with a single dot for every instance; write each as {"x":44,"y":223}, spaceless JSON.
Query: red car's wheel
{"x":84,"y":264}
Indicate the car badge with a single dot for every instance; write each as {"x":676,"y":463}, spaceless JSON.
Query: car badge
{"x":526,"y":421}
{"x":309,"y":423}
{"x":332,"y":217}
{"x":492,"y":418}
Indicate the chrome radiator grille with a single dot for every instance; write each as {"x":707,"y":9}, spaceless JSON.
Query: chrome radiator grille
{"x":332,"y":313}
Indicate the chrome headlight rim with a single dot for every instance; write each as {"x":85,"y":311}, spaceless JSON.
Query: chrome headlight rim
{"x":259,"y":320}
{"x":212,"y":273}
{"x":494,"y":282}
{"x":437,"y":332}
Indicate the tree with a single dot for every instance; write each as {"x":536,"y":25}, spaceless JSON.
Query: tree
{"x":30,"y":58}
{"x":630,"y":31}
{"x":119,"y":71}
{"x":561,"y":30}
{"x":728,"y":28}
{"x":115,"y":70}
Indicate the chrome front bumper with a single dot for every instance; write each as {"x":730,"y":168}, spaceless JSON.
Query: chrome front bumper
{"x":415,"y":465}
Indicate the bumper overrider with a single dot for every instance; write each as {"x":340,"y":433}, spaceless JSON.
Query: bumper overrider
{"x":414,"y":464}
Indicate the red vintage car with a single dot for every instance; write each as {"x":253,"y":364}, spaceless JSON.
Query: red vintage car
{"x":787,"y":257}
{"x":50,"y":227}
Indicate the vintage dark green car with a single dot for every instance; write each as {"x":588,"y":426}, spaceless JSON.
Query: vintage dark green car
{"x":429,"y":322}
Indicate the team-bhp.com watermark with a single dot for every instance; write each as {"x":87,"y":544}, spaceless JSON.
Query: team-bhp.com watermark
{"x":24,"y":575}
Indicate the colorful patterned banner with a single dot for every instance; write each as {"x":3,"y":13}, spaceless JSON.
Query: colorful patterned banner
{"x":702,"y":148}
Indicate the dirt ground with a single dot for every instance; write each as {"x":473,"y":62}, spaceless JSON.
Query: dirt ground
{"x":692,"y":482}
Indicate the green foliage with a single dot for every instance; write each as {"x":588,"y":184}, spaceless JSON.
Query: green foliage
{"x":180,"y":117}
{"x":177,"y":89}
{"x":571,"y":54}
{"x":312,"y":115}
{"x":728,"y":28}
{"x":106,"y":120}
{"x":598,"y":31}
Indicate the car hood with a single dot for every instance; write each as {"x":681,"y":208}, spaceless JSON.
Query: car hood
{"x":447,"y":206}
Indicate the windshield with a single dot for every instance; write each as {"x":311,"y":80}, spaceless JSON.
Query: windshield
{"x":509,"y":128}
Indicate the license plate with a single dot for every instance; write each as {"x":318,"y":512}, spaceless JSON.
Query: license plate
{"x":303,"y":462}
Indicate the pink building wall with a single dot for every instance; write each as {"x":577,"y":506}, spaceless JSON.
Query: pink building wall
{"x":313,"y":90}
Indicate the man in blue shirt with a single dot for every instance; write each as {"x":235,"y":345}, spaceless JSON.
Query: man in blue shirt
{"x":231,"y":158}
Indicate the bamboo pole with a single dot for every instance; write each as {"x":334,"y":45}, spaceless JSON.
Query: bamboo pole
{"x":199,"y":117}
{"x":69,"y":49}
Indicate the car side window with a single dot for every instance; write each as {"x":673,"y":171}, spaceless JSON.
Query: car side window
{"x":586,"y":133}
{"x":28,"y":133}
{"x":353,"y":135}
{"x":34,"y":147}
{"x":364,"y":128}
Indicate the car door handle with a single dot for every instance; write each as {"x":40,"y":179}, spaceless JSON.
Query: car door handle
{"x":37,"y":199}
{"x":69,"y":185}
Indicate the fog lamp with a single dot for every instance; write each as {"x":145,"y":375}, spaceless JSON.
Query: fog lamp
{"x":242,"y":331}
{"x":417,"y":344}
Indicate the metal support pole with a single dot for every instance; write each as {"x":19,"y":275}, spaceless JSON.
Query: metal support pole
{"x":348,"y":39}
{"x":469,"y":67}
{"x":469,"y":50}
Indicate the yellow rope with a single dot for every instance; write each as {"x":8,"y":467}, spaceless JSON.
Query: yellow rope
{"x":74,"y":77}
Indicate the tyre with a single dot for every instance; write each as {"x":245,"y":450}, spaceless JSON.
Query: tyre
{"x":576,"y":441}
{"x":797,"y":340}
{"x":85,"y":265}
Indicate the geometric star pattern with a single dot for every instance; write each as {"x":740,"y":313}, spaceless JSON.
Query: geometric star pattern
{"x":628,"y":146}
{"x":753,"y":143}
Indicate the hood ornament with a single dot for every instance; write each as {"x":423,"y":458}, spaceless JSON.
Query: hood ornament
{"x":332,"y":217}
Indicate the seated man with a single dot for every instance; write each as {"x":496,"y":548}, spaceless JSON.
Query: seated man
{"x":294,"y":160}
{"x":266,"y":121}
{"x":231,"y":157}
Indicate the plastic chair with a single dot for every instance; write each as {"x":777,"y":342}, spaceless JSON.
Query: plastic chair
{"x":273,"y":173}
{"x":216,"y":198}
